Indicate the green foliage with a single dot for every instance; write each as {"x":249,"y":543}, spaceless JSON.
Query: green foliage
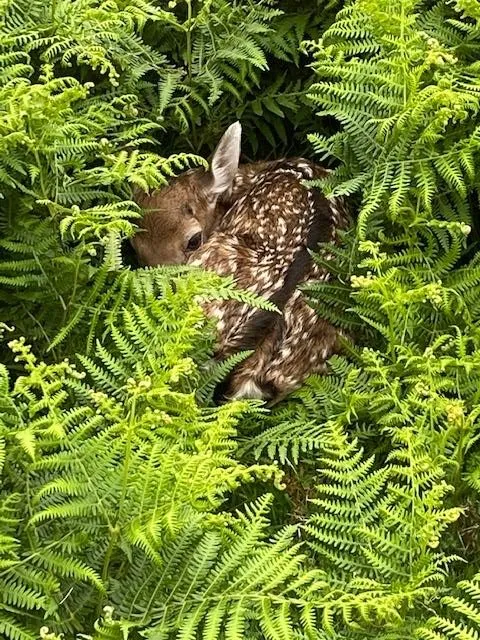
{"x":115,"y":476}
{"x":403,"y":82}
{"x":120,"y":469}
{"x":220,"y":53}
{"x":85,"y":93}
{"x":130,"y":506}
{"x":465,"y":614}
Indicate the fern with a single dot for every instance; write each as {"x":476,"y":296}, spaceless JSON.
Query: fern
{"x":140,"y":459}
{"x":24,"y":588}
{"x":250,"y":584}
{"x":463,"y":609}
{"x":379,"y":71}
{"x":222,"y":54}
{"x":81,"y":75}
{"x":130,"y":506}
{"x":379,"y":529}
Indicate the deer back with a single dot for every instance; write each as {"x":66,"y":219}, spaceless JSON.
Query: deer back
{"x":264,"y":240}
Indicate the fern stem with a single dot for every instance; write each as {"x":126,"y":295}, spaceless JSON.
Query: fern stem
{"x":112,"y":543}
{"x":114,"y":530}
{"x":74,"y":290}
{"x":402,"y":37}
{"x":128,"y":456}
{"x":189,"y":40}
{"x":37,"y":323}
{"x":57,"y":293}
{"x":457,"y":480}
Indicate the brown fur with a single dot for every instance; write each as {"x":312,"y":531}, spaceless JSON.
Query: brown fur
{"x":258,"y":223}
{"x":258,"y":241}
{"x":172,"y":215}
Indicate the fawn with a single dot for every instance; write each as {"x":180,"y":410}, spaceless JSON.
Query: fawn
{"x":257,"y":222}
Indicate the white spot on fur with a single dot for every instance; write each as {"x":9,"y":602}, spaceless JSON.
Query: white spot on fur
{"x":248,"y":389}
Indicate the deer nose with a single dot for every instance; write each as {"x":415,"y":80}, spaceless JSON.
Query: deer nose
{"x":195,"y":242}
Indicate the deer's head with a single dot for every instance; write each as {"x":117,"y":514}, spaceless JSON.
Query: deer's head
{"x":178,"y":218}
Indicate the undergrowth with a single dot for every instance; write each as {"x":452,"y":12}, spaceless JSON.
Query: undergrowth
{"x":130,"y":506}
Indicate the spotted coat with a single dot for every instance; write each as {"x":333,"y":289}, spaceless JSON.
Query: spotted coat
{"x":263,"y":241}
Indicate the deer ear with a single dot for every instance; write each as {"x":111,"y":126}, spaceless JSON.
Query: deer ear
{"x":225,"y":160}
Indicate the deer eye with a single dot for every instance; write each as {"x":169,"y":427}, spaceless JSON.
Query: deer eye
{"x":194,"y":242}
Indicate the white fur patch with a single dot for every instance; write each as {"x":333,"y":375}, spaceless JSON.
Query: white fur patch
{"x":248,"y":389}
